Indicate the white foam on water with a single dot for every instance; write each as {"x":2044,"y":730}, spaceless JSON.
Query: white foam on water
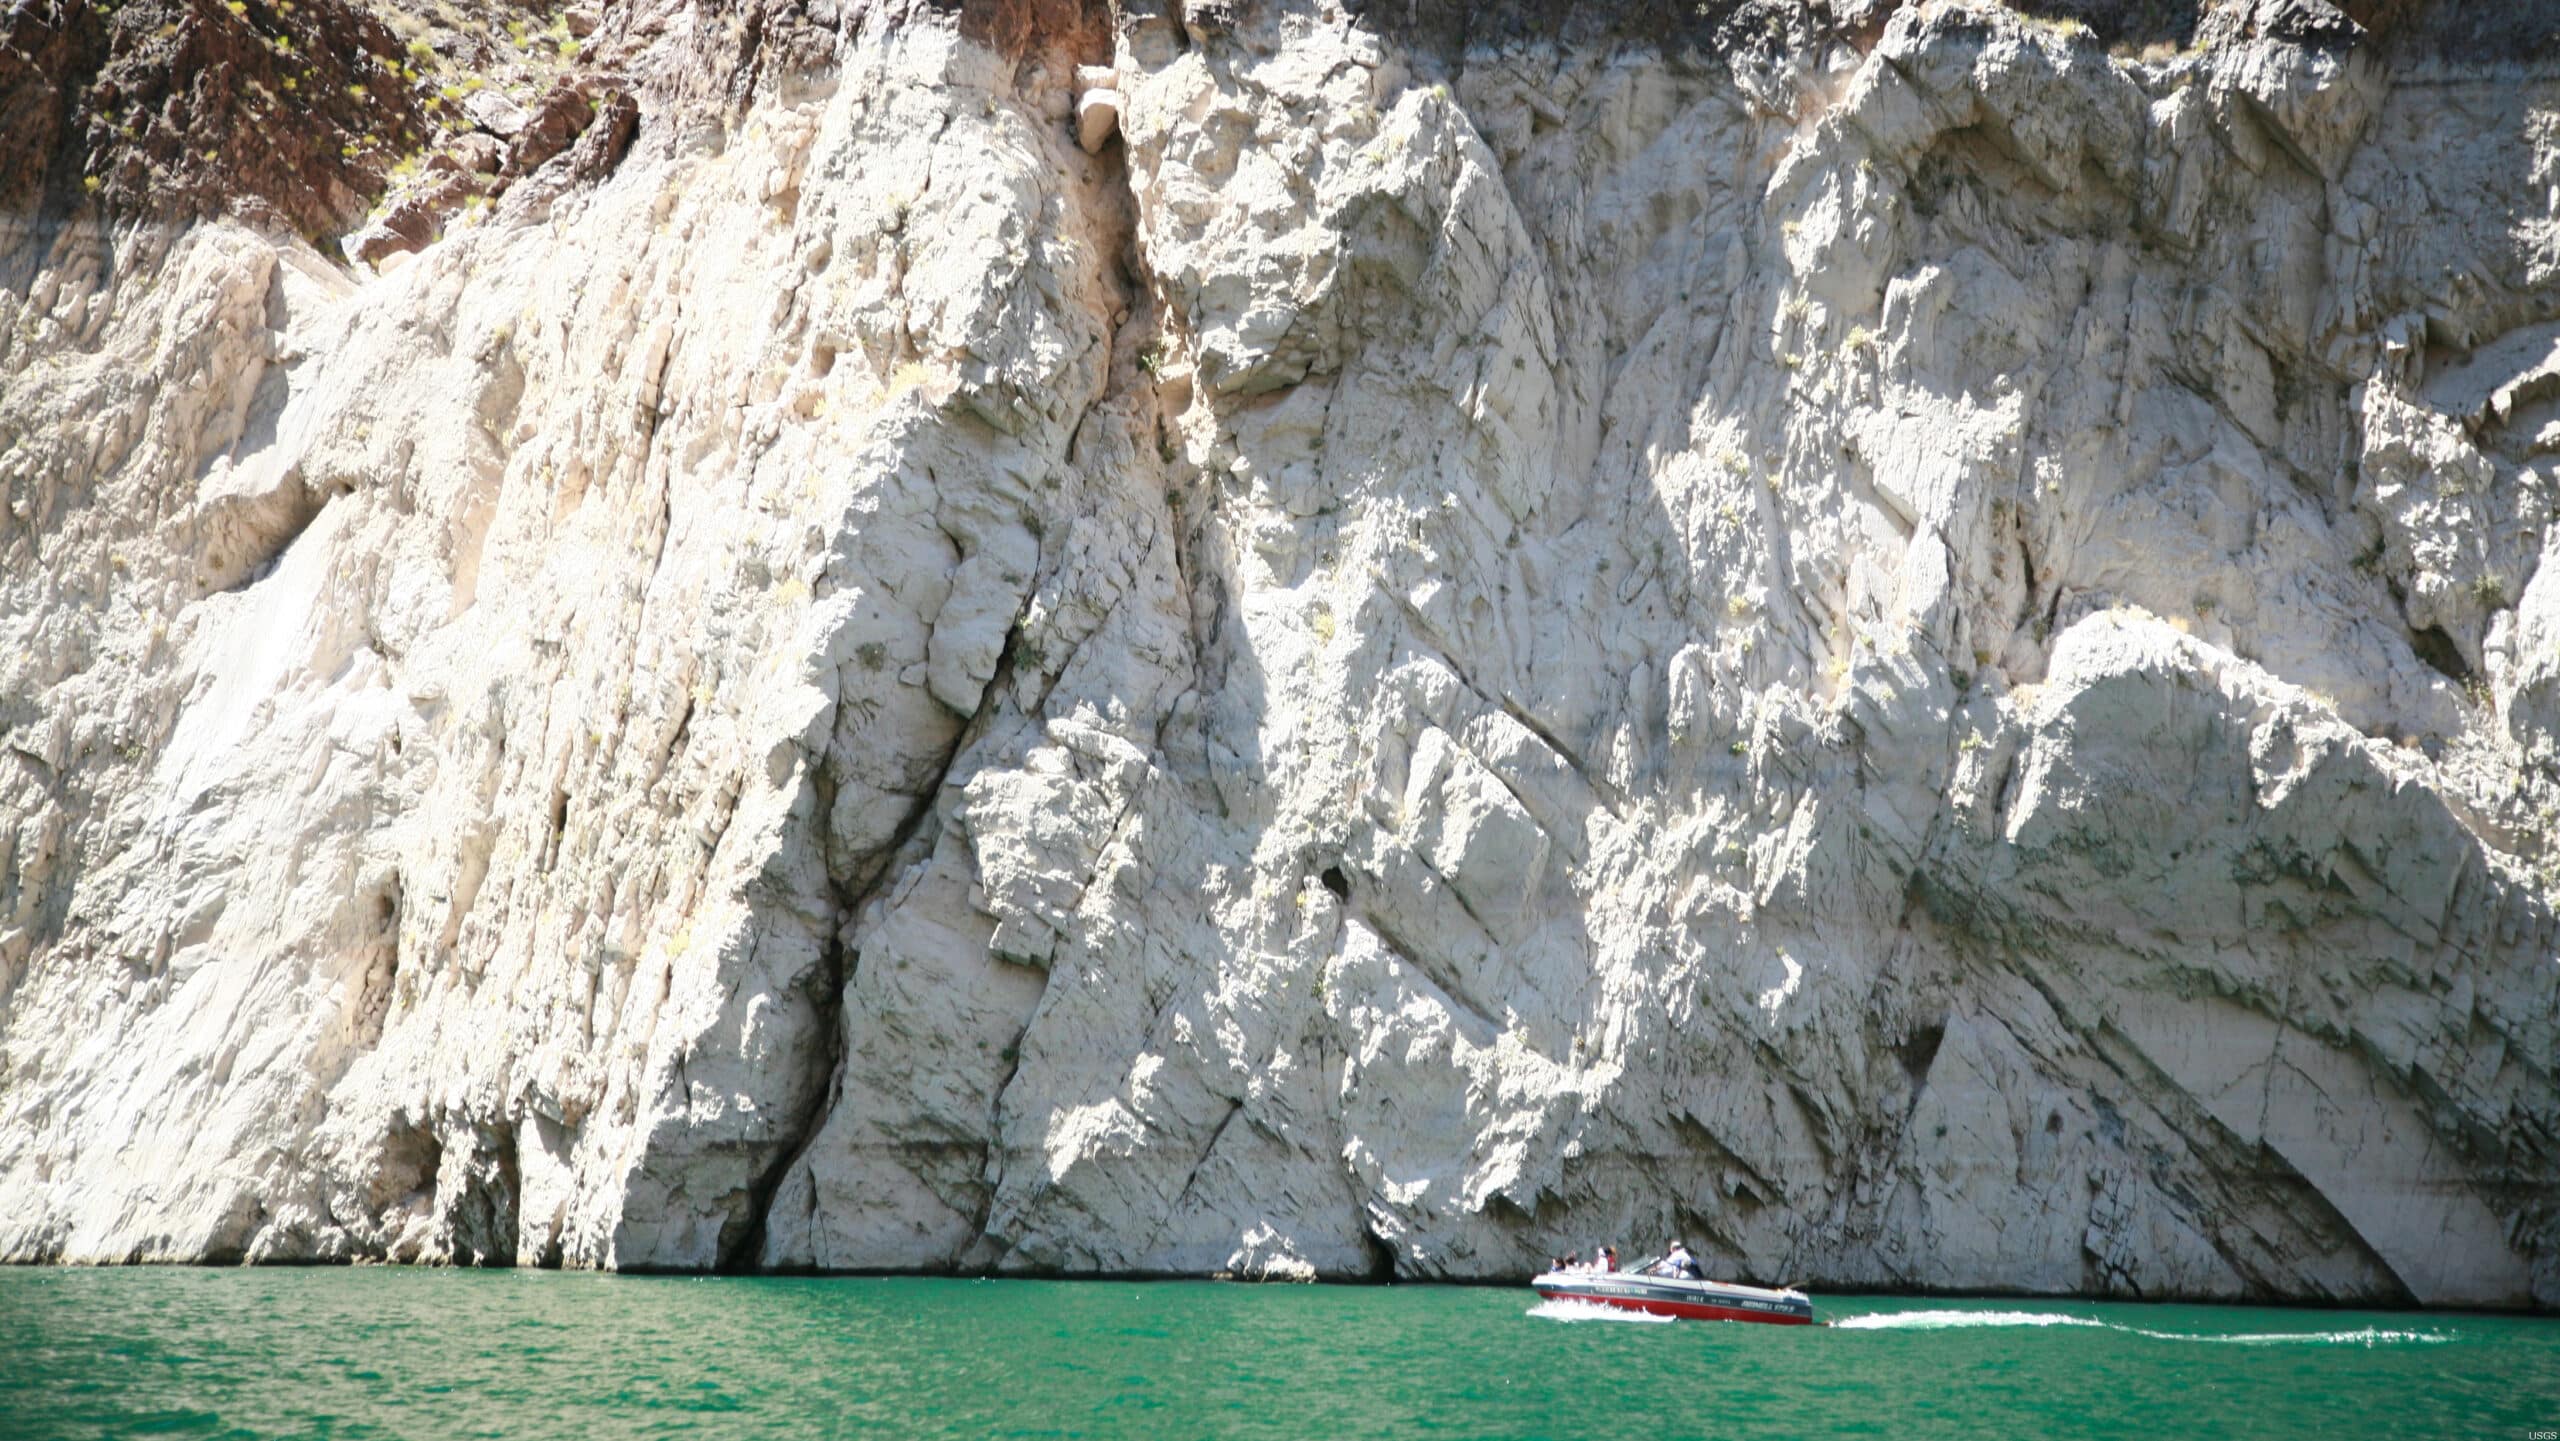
{"x":2366,"y":1336}
{"x":1593,"y":1311}
{"x":1953,"y":1320}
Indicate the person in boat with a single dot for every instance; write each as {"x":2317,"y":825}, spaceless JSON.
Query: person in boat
{"x":1608,"y":1258}
{"x":1677,"y":1264}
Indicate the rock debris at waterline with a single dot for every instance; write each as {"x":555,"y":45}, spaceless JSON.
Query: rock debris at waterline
{"x":1903,"y":640}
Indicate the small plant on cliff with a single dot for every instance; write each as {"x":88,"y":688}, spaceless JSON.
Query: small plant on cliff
{"x":2490,"y":592}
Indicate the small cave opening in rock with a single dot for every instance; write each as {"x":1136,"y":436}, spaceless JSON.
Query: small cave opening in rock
{"x":559,"y":827}
{"x":1920,"y":1050}
{"x":1382,"y":1259}
{"x":1335,"y":881}
{"x":2438,"y":650}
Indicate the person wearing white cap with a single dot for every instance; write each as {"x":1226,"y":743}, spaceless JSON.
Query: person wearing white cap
{"x":1677,"y":1263}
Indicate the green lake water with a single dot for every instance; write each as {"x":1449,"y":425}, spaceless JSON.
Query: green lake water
{"x":436,"y":1354}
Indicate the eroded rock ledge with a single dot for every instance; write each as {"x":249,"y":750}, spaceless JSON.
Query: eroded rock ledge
{"x":1287,"y":638}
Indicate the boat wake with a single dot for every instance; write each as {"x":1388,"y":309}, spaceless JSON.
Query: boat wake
{"x":1952,"y":1320}
{"x":1957,"y":1320}
{"x":1593,"y":1311}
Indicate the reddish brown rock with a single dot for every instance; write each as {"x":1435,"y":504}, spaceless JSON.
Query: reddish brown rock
{"x":602,"y":147}
{"x":417,"y":218}
{"x":555,"y":123}
{"x":186,"y":107}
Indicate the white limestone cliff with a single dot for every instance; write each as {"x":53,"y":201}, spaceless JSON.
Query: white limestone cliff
{"x":1236,"y":640}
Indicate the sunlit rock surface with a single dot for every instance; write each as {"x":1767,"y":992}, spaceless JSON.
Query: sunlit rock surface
{"x":1905,"y":640}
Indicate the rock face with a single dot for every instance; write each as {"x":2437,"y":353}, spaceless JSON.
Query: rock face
{"x":1908,"y":640}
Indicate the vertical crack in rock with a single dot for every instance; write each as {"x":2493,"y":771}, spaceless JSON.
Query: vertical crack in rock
{"x":1191,"y":1179}
{"x":852,"y":891}
{"x":742,"y":1253}
{"x":978,"y":1241}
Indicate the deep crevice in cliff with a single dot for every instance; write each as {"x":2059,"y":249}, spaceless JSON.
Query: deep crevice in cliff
{"x":838,"y":968}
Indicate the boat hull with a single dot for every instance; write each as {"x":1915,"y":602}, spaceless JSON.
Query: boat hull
{"x":1683,"y":1300}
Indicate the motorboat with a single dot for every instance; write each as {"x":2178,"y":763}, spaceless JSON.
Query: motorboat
{"x":1685,"y":1298}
